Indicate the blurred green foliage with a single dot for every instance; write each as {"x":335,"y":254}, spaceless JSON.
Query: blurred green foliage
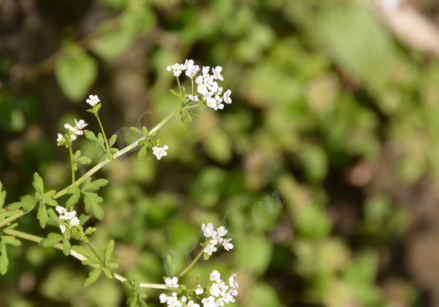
{"x":332,"y":128}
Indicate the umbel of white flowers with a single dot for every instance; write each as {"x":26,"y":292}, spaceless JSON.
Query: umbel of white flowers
{"x":220,"y":293}
{"x":70,"y":217}
{"x":73,"y":131}
{"x":215,"y":238}
{"x":207,"y":86}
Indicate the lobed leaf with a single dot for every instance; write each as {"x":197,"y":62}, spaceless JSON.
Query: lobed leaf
{"x":92,"y":201}
{"x":38,"y":183}
{"x":52,"y":239}
{"x":42,"y":215}
{"x":92,"y":277}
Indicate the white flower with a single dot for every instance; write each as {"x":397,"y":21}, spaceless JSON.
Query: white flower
{"x":222,"y":231}
{"x":210,"y":249}
{"x":173,"y":300}
{"x":228,"y":298}
{"x":208,"y":230}
{"x":73,"y":137}
{"x":191,"y":69}
{"x":217,"y":73}
{"x":199,"y":290}
{"x":227,"y":246}
{"x":176,"y":69}
{"x":215,"y":290}
{"x":93,"y":100}
{"x":74,"y":221}
{"x":184,"y":299}
{"x":192,"y":304}
{"x":215,"y":275}
{"x":160,"y":152}
{"x":202,"y":89}
{"x":193,"y":98}
{"x":63,"y":228}
{"x":206,"y":70}
{"x":211,"y":103}
{"x":172,"y":283}
{"x":60,"y":209}
{"x":233,"y":292}
{"x":232,"y":282}
{"x":163,"y":298}
{"x":60,"y":138}
{"x":227,"y":98}
{"x":209,"y":302}
{"x":199,"y":80}
{"x":81,"y":124}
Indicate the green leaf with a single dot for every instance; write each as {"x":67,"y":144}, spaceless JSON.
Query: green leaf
{"x":175,"y":94}
{"x":108,"y":251}
{"x":38,"y":183}
{"x":108,"y":273}
{"x":83,"y":160}
{"x":142,"y":152}
{"x":76,"y":194}
{"x":26,"y":202}
{"x":128,"y":287}
{"x":206,"y":256}
{"x":75,"y":72}
{"x":92,"y":277}
{"x":10,"y":240}
{"x":4,"y":261}
{"x":90,"y":230}
{"x":66,"y":246}
{"x":112,"y":265}
{"x":112,"y":140}
{"x":52,"y":239}
{"x":92,"y":201}
{"x":91,"y":258}
{"x":91,"y":136}
{"x":42,"y":215}
{"x":134,"y":300}
{"x":2,"y":195}
{"x":95,"y":185}
{"x":136,"y":131}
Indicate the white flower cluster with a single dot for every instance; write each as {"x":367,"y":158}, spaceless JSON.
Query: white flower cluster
{"x":68,"y":216}
{"x":174,"y":301}
{"x":216,"y":237}
{"x":207,"y":86}
{"x":73,"y":131}
{"x":93,"y":100}
{"x":160,"y":152}
{"x":220,"y":293}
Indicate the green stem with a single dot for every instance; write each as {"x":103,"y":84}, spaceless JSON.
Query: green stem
{"x":99,"y":165}
{"x":103,"y":132}
{"x":71,"y":164}
{"x":192,"y":263}
{"x":179,"y":86}
{"x":76,"y":255}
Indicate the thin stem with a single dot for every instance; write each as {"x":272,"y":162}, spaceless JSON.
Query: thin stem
{"x":71,"y":164}
{"x":76,"y":255}
{"x":192,"y":80}
{"x":192,"y":263}
{"x":179,"y":86}
{"x":98,"y":166}
{"x":103,"y":133}
{"x":12,"y":217}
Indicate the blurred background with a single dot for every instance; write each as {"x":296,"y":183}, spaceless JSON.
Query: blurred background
{"x":325,"y":166}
